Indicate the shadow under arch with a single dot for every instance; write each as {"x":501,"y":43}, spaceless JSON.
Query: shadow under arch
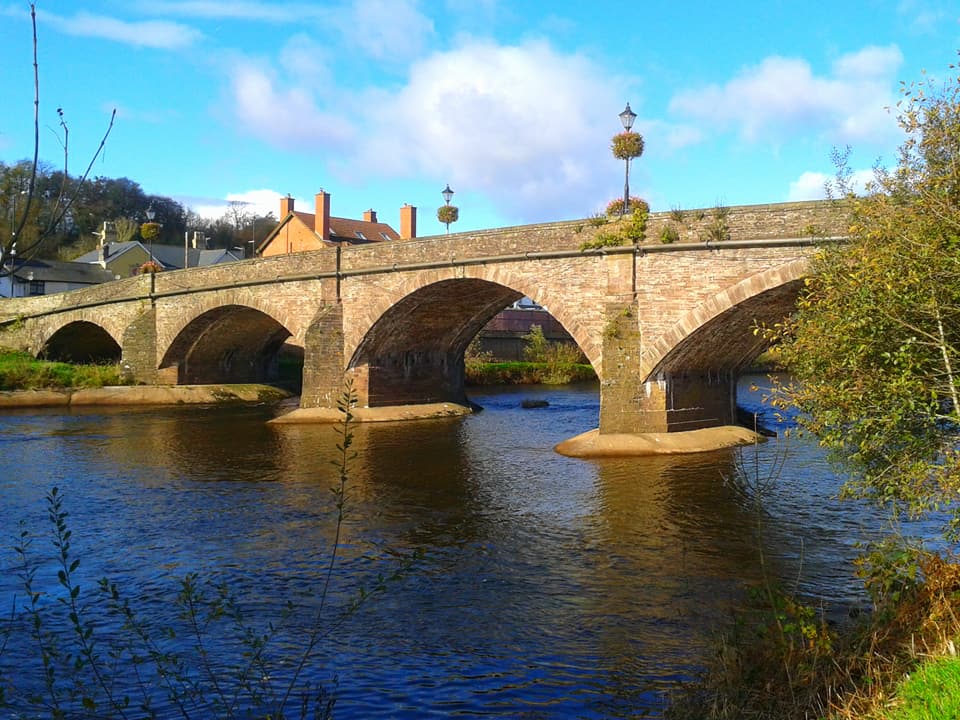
{"x":413,"y":353}
{"x":229,"y":344}
{"x":719,"y":335}
{"x":81,"y":341}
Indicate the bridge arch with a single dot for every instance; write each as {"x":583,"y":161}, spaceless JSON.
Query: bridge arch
{"x":81,"y":341}
{"x":226,"y":344}
{"x":413,"y":351}
{"x":718,"y":335}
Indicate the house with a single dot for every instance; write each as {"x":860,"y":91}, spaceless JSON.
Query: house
{"x":300,"y":231}
{"x":43,"y":277}
{"x":126,"y":258}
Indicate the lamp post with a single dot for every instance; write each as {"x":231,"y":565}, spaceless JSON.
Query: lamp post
{"x":13,"y":270}
{"x":150,"y":216}
{"x":448,"y":213}
{"x":626,"y":118}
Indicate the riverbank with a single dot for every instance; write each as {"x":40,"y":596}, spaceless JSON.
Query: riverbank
{"x":142,"y":395}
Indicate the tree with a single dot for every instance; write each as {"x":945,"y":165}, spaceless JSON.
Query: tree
{"x":29,"y":227}
{"x":874,"y":348}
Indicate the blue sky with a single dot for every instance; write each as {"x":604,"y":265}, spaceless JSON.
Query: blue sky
{"x":383,"y":102}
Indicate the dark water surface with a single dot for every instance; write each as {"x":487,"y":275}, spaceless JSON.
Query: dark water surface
{"x":545,"y":587}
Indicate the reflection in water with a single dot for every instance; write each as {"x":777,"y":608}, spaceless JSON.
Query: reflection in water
{"x":545,"y":585}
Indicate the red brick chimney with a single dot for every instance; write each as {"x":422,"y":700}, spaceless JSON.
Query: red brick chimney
{"x":370,"y":216}
{"x":408,"y":222}
{"x":322,"y":220}
{"x":286,"y":206}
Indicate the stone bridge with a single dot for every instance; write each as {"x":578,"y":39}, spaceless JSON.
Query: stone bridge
{"x":667,"y":327}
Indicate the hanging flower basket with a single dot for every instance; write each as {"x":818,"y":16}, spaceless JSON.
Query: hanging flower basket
{"x":627,"y":145}
{"x":448,"y":214}
{"x":150,"y":266}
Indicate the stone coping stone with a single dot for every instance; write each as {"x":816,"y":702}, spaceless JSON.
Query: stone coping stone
{"x":592,"y":444}
{"x":391,"y":413}
{"x":144,"y":395}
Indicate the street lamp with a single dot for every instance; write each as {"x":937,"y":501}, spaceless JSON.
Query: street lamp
{"x":626,"y":118}
{"x":150,"y":216}
{"x":448,"y":213}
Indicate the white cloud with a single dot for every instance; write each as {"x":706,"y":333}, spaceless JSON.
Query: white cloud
{"x":812,"y":185}
{"x":517,"y":123}
{"x":809,"y":186}
{"x":260,"y":202}
{"x":387,"y":29}
{"x":148,"y":33}
{"x":287,"y":116}
{"x":782,"y":96}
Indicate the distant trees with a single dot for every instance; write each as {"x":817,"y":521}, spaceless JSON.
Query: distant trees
{"x":38,"y":204}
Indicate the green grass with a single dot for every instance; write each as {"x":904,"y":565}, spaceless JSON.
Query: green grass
{"x":527,"y":373}
{"x":20,"y":371}
{"x":932,"y":692}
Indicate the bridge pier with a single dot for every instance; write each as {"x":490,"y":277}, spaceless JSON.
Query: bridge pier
{"x":671,"y":402}
{"x":139,"y":356}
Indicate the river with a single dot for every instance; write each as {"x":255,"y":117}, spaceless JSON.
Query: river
{"x":542,"y":586}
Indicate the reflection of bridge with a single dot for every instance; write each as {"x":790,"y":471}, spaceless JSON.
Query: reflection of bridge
{"x":666,"y":327}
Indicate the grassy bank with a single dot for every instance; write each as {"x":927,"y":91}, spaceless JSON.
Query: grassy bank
{"x":527,"y":373}
{"x":781,"y":659}
{"x":20,"y":371}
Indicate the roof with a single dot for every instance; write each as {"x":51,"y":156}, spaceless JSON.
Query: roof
{"x":113,"y":250}
{"x":169,"y":256}
{"x":77,"y":273}
{"x":342,"y":230}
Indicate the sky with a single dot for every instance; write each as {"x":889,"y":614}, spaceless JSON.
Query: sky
{"x":513,"y":104}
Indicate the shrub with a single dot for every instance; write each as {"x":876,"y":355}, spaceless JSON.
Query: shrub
{"x":669,"y":234}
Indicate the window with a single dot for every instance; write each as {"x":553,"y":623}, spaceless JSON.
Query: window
{"x":360,"y":235}
{"x":384,"y":236}
{"x":36,"y":287}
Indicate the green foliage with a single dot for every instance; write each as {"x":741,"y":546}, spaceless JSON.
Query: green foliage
{"x":21,"y":371}
{"x":597,"y":220}
{"x":630,"y":229}
{"x":718,"y":229}
{"x":627,"y":145}
{"x":527,"y":373}
{"x":875,"y":345}
{"x":602,"y":240}
{"x":669,"y":234}
{"x":535,"y":345}
{"x":930,"y":693}
{"x":635,"y":227}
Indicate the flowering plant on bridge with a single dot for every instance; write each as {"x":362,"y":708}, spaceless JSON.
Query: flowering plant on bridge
{"x":150,"y":266}
{"x":627,"y":145}
{"x":615,"y":206}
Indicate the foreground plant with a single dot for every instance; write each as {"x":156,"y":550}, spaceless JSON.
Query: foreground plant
{"x":874,"y":348}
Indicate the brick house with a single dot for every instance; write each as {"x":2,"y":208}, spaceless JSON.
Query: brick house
{"x":300,"y":231}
